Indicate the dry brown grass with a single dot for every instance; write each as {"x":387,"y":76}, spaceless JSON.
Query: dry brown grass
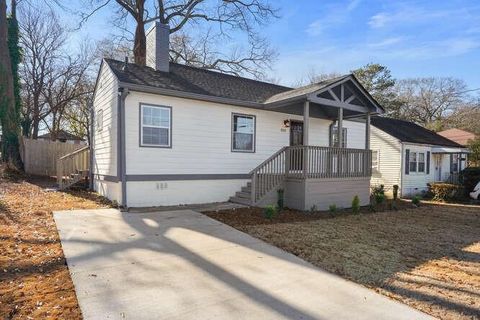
{"x":428,"y":258}
{"x":34,"y":279}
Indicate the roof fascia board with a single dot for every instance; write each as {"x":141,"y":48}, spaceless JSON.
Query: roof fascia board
{"x":313,"y":98}
{"x":189,"y":95}
{"x":431,"y":145}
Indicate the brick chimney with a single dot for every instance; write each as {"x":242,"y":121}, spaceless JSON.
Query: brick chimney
{"x":157,"y":47}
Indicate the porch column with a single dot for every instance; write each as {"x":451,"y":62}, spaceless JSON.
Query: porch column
{"x":340,"y":128}
{"x":306,"y":119}
{"x":367,"y":132}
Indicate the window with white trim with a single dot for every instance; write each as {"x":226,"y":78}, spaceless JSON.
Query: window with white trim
{"x":417,"y":162}
{"x":335,"y":137}
{"x":375,"y":160}
{"x":421,"y":162}
{"x":155,"y":126}
{"x":243,"y":133}
{"x":413,"y":162}
{"x":99,"y":122}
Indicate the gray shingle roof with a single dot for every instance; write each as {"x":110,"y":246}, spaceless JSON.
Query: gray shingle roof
{"x":406,"y":131}
{"x":62,"y":135}
{"x":195,"y":80}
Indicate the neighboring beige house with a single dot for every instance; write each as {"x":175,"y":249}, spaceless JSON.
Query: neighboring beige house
{"x":410,"y":156}
{"x":169,"y":134}
{"x":461,"y":137}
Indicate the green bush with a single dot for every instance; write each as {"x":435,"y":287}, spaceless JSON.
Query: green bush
{"x":280,"y":193}
{"x":356,"y":204}
{"x":416,"y":200}
{"x":395,"y":192}
{"x":379,"y":198}
{"x":332,"y":208}
{"x":270,"y":212}
{"x":380,"y":189}
{"x":444,"y":191}
{"x":469,"y":178}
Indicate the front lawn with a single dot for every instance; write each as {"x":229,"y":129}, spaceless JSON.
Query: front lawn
{"x":427,"y":257}
{"x":34,"y":278}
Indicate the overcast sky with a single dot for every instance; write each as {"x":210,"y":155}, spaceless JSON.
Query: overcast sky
{"x":412,"y":38}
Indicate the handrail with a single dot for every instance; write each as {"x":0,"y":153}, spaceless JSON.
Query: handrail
{"x":73,"y":167}
{"x":269,"y":159}
{"x":312,"y":162}
{"x":74,"y":153}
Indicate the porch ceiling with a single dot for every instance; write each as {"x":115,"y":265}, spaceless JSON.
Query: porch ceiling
{"x":317,"y":110}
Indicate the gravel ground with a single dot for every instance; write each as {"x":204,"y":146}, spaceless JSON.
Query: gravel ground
{"x":427,"y":257}
{"x":34,"y":279}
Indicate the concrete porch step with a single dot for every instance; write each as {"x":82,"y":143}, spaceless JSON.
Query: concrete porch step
{"x":247,"y":189}
{"x":242,"y":194}
{"x":240,"y":200}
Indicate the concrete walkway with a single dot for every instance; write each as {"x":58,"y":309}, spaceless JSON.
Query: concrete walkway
{"x":184,"y":265}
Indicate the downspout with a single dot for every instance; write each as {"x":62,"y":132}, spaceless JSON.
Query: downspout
{"x":402,"y":168}
{"x":92,"y":150}
{"x":121,"y":152}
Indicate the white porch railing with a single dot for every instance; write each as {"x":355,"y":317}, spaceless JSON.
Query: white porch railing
{"x":73,"y":167}
{"x":309,"y":162}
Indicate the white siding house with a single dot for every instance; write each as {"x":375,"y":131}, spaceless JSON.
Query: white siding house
{"x":411,"y":156}
{"x":168,"y":134}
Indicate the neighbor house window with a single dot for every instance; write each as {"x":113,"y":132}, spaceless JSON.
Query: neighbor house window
{"x":413,"y":162}
{"x":155,"y":126}
{"x":335,"y":137}
{"x":243,"y":133}
{"x":417,"y":162}
{"x":375,"y":160}
{"x":99,"y":123}
{"x":421,"y":162}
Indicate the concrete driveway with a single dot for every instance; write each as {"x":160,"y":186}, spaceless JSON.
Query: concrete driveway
{"x":184,"y":265}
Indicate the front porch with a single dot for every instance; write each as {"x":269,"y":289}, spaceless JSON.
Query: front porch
{"x":314,"y":177}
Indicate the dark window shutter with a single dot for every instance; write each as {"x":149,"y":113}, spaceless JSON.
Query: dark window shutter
{"x":407,"y":161}
{"x":451,"y":163}
{"x":428,"y":162}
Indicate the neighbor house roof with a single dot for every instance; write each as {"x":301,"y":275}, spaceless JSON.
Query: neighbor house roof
{"x":61,"y":135}
{"x":407,"y":131}
{"x":196,"y":80}
{"x":459,"y":136}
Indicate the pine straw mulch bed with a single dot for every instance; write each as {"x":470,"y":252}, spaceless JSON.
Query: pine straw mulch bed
{"x":34,"y":278}
{"x":426,"y":257}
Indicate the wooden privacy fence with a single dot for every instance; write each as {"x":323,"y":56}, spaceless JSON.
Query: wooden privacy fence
{"x":40,"y":156}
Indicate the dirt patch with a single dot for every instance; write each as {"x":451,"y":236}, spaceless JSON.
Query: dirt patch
{"x":34,"y":279}
{"x":428,"y":257}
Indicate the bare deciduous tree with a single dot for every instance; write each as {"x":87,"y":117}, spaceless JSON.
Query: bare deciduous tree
{"x":427,"y":101}
{"x":53,"y":80}
{"x":201,"y":49}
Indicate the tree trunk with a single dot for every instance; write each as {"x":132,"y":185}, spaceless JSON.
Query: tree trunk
{"x":140,"y":44}
{"x":9,"y":117}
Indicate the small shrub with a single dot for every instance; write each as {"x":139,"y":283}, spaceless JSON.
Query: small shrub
{"x":371,"y":208}
{"x":332,"y":208}
{"x":444,"y":191}
{"x":416,"y":201}
{"x":356,"y":204}
{"x":270,"y":212}
{"x":395,"y":192}
{"x":380,"y":189}
{"x":469,"y":177}
{"x":280,"y":193}
{"x":379,"y":198}
{"x":313,"y":209}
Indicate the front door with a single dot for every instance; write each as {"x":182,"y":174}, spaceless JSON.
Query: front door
{"x":296,"y":139}
{"x":438,"y":166}
{"x":296,"y":133}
